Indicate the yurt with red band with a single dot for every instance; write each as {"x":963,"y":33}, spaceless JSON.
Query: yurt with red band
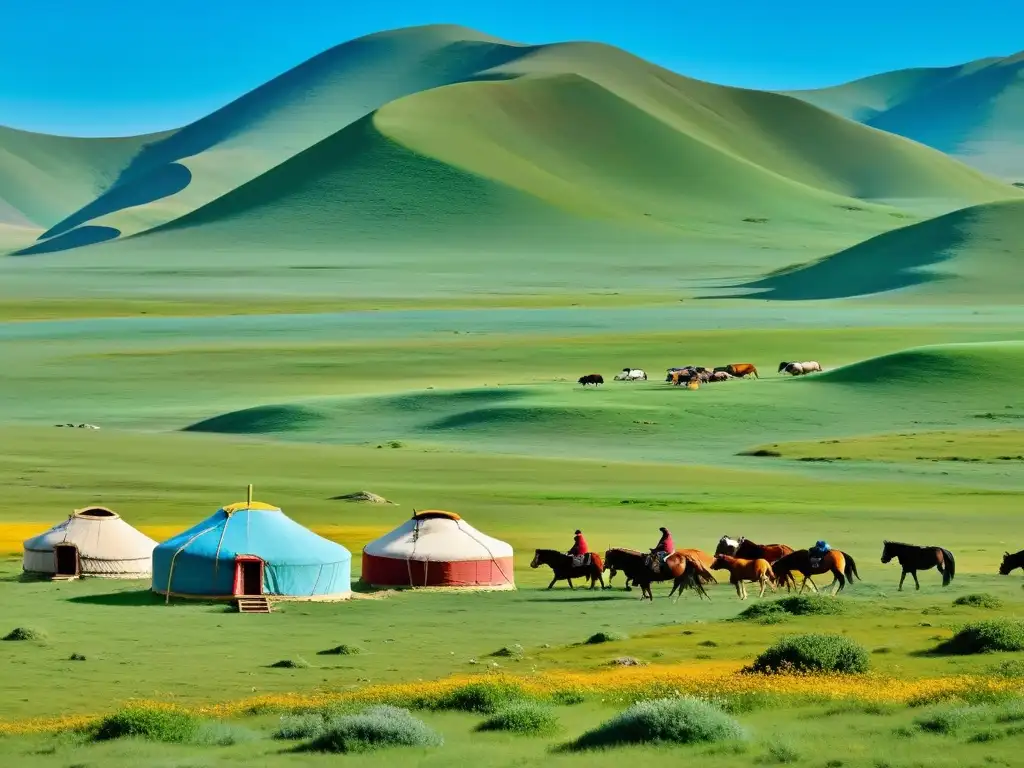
{"x":438,"y":549}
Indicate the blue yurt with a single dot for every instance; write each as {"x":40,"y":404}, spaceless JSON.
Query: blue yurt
{"x":251,"y":548}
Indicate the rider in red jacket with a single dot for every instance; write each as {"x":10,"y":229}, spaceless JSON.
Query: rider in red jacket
{"x":579,"y":546}
{"x":665,"y":543}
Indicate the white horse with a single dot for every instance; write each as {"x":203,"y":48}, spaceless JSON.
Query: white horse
{"x":632,"y":374}
{"x":800,"y":369}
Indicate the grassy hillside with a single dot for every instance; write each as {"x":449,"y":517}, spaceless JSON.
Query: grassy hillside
{"x":974,"y":252}
{"x":660,"y":154}
{"x":44,"y":178}
{"x":974,"y":111}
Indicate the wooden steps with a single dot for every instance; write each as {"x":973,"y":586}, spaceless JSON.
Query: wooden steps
{"x":253,"y":604}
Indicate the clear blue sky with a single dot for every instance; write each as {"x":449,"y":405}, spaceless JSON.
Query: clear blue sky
{"x":116,"y":67}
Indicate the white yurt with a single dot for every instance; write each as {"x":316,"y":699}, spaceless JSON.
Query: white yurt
{"x":94,"y":541}
{"x":438,"y":549}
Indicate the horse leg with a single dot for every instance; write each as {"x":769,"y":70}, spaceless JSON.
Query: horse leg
{"x":840,"y":579}
{"x":553,"y":580}
{"x":903,"y":577}
{"x":764,"y":585}
{"x":809,"y":580}
{"x":918,"y":583}
{"x":739,"y":589}
{"x":600,"y":577}
{"x":570,"y":583}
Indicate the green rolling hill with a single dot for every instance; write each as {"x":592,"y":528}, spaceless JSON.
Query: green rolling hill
{"x":971,"y":253}
{"x":441,"y":136}
{"x":974,"y":111}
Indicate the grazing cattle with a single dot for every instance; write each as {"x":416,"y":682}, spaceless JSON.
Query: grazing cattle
{"x":839,"y":564}
{"x":747,"y":549}
{"x":632,"y":374}
{"x":565,"y":567}
{"x":739,"y":370}
{"x":913,"y":559}
{"x":719,"y":376}
{"x":800,"y":369}
{"x":741,"y":571}
{"x":1016,"y":560}
{"x":591,"y":378}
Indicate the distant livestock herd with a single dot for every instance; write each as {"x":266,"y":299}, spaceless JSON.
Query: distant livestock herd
{"x":693,"y":376}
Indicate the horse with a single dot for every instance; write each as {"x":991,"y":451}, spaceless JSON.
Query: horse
{"x":591,"y":378}
{"x":562,"y":566}
{"x":739,"y":370}
{"x":800,"y":369}
{"x":839,"y":564}
{"x":626,"y":560}
{"x":742,"y":570}
{"x":637,"y":567}
{"x":913,"y":559}
{"x":632,"y":374}
{"x":719,"y":376}
{"x":1016,"y":560}
{"x":745,"y":548}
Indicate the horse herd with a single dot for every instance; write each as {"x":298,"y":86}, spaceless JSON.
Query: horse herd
{"x":693,"y":375}
{"x":768,"y":565}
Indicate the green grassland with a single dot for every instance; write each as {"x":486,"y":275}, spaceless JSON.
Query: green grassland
{"x":386,"y":269}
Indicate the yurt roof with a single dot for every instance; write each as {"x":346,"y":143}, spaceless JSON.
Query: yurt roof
{"x":98,"y":537}
{"x":438,"y":536}
{"x":256,"y":529}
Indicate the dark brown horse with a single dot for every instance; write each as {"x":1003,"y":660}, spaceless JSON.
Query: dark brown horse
{"x":630,"y":560}
{"x":1016,"y":560}
{"x":913,"y":559}
{"x":839,"y":564}
{"x":639,"y":567}
{"x":565,"y":569}
{"x":745,"y":549}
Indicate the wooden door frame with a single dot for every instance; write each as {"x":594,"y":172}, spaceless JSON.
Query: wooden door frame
{"x":56,"y":559}
{"x":240,"y":561}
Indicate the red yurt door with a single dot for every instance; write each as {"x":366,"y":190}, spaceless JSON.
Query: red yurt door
{"x":248,"y":575}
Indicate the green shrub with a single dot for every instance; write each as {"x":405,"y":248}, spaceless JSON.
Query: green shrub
{"x":341,"y":650}
{"x":684,"y":720}
{"x":305,"y":726}
{"x":568,"y":698}
{"x":218,"y":734}
{"x":605,"y":637}
{"x":775,"y":611}
{"x":812,"y":653}
{"x":76,"y":657}
{"x":513,"y":651}
{"x":948,"y":720}
{"x":1011,"y":669}
{"x":782,"y":752}
{"x":485,"y":697}
{"x":375,"y":728}
{"x":151,"y":724}
{"x":526,"y":717}
{"x":290,"y":664}
{"x":982,"y":600}
{"x":25,"y":634}
{"x":985,"y":637}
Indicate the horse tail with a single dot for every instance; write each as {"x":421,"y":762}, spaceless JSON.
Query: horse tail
{"x":950,"y":570}
{"x":851,"y":569}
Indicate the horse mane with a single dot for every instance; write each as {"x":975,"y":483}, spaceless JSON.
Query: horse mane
{"x":552,"y":551}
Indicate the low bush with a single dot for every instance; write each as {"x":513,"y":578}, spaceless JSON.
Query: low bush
{"x":982,"y":600}
{"x":684,"y":720}
{"x":605,"y":637}
{"x":985,"y":637}
{"x":290,"y":664}
{"x":375,"y":728}
{"x":486,"y":697}
{"x":1008,"y":669}
{"x":76,"y":657}
{"x":782,"y":752}
{"x":513,"y":651}
{"x":26,"y":634}
{"x":568,"y":698}
{"x":812,"y":653}
{"x":774,"y":611}
{"x":305,"y":726}
{"x":525,"y":717}
{"x":218,"y":734}
{"x":341,"y":650}
{"x":151,"y":724}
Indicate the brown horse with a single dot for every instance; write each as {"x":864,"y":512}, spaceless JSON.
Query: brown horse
{"x":739,"y":370}
{"x":1016,"y":560}
{"x":748,"y":550}
{"x":741,"y":570}
{"x":565,"y":569}
{"x":913,"y":559}
{"x":630,"y":560}
{"x":638,"y":567}
{"x":839,"y":564}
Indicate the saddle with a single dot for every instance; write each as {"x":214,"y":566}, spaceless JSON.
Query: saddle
{"x":656,"y":561}
{"x":582,"y":561}
{"x":816,"y":554}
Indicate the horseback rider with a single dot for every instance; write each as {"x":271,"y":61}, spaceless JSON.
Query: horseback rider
{"x":665,"y":546}
{"x":817,"y":553}
{"x":579,"y":548}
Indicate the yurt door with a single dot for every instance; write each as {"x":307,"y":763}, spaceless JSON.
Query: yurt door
{"x":66,"y":556}
{"x":248,"y":576}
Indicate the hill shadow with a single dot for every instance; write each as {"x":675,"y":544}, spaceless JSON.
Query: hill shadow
{"x":131,"y":599}
{"x":76,"y":238}
{"x":259,"y":420}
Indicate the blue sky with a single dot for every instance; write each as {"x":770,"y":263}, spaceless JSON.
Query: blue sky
{"x":117,"y":67}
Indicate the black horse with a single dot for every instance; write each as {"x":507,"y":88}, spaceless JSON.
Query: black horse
{"x":913,"y":559}
{"x":639,"y":567}
{"x":565,"y":568}
{"x":1016,"y":560}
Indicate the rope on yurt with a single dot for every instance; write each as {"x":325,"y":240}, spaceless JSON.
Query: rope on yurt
{"x":319,"y":573}
{"x":220,"y":543}
{"x":482,"y":544}
{"x":415,"y":539}
{"x":174,"y":557}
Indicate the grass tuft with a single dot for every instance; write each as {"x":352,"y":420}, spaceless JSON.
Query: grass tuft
{"x":985,"y":637}
{"x":605,"y":637}
{"x":484,"y":697}
{"x":982,"y":600}
{"x":523,"y":717}
{"x":25,"y":634}
{"x":513,"y":651}
{"x":684,"y":720}
{"x":151,"y":724}
{"x":812,"y":653}
{"x":341,"y":650}
{"x":782,"y":752}
{"x":375,"y":728}
{"x":299,"y":663}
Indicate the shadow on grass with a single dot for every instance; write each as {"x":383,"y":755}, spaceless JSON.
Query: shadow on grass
{"x":125,"y":599}
{"x":596,"y":598}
